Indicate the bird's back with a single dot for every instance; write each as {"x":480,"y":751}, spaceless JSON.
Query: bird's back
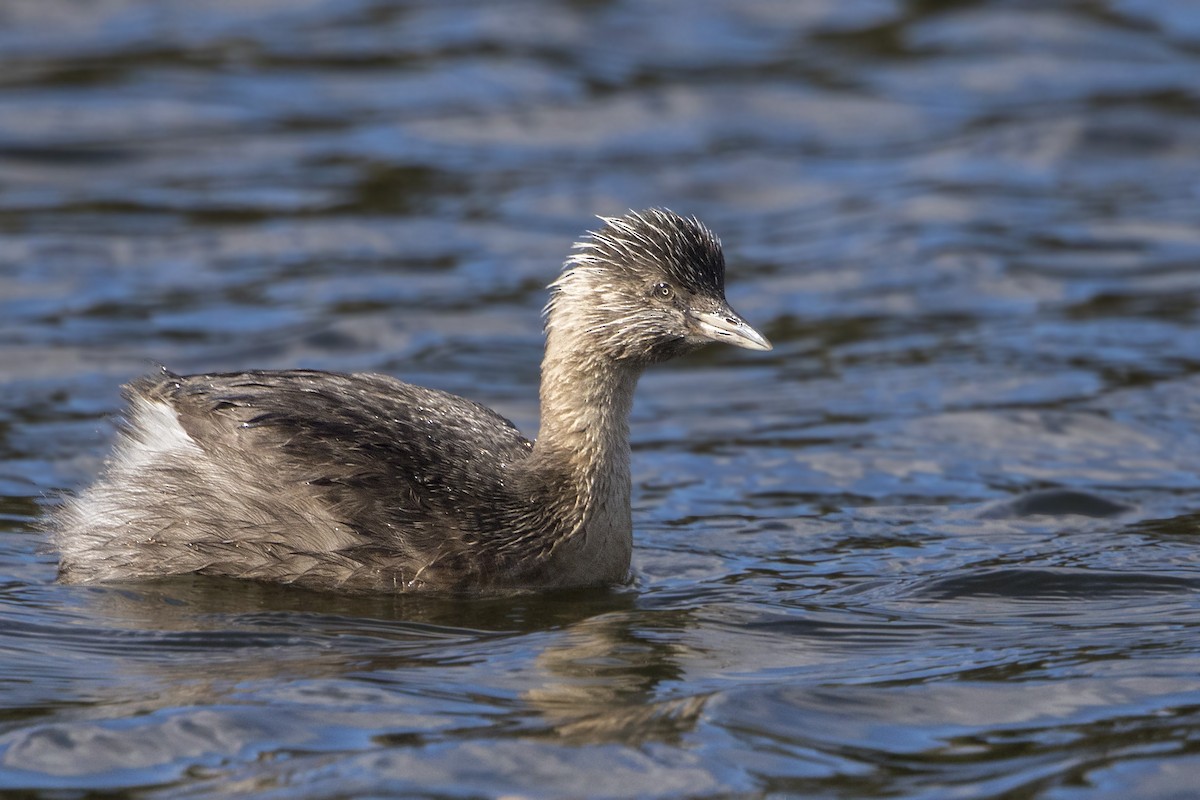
{"x":322,"y":479}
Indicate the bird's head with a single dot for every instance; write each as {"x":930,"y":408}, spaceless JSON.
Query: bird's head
{"x":645,"y":287}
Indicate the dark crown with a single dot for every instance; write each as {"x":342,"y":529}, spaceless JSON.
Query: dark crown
{"x":657,"y":242}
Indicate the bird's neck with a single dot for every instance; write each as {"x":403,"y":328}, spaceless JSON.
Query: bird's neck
{"x":585,"y":405}
{"x":580,"y":462}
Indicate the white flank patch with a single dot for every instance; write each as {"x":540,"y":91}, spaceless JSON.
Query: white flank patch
{"x":154,"y":432}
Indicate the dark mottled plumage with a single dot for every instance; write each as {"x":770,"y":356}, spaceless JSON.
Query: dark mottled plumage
{"x":364,"y":482}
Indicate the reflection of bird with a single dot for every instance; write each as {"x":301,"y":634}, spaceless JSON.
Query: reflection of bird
{"x":363,"y":482}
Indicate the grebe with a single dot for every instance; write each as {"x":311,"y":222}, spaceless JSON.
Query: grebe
{"x":362,"y":482}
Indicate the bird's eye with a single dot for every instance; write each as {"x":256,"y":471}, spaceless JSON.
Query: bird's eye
{"x":662,"y":290}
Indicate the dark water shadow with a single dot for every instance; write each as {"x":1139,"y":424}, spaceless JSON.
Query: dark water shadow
{"x":1056,"y":584}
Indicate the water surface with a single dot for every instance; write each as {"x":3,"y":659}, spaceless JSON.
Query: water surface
{"x":941,"y":542}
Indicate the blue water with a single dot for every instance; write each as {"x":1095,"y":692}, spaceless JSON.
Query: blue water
{"x":941,"y":542}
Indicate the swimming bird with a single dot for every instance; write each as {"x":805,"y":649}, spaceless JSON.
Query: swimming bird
{"x":362,"y":482}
